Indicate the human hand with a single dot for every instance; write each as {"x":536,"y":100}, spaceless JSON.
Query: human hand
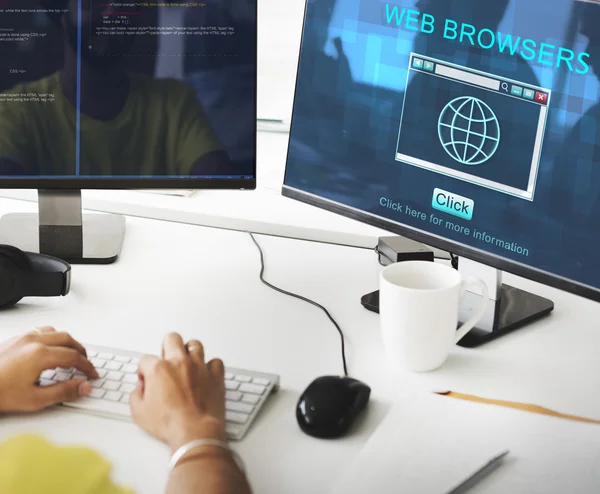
{"x":180,"y":398}
{"x":24,"y":358}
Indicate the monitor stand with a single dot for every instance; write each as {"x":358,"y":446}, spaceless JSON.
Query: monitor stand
{"x":62,"y":230}
{"x":508,"y":308}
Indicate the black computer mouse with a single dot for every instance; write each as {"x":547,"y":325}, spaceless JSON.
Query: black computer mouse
{"x":330,"y":404}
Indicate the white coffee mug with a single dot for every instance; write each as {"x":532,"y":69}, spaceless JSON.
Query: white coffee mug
{"x":418,"y":306}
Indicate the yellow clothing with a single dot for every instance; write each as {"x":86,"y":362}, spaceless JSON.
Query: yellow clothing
{"x":162,"y":130}
{"x":31,"y":465}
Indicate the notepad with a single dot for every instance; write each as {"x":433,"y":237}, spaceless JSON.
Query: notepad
{"x":428,"y":444}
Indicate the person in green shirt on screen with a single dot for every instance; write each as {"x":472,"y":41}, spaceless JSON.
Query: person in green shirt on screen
{"x":130,"y":124}
{"x":179,"y":398}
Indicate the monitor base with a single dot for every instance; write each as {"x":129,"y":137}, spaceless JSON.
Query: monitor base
{"x":513,"y":310}
{"x":61,"y":230}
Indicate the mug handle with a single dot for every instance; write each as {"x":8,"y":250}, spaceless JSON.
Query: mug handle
{"x":474,"y":319}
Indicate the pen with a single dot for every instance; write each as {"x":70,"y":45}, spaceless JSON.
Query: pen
{"x":479,"y":474}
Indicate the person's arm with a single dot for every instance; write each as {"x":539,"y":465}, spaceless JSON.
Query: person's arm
{"x":198,"y":150}
{"x":178,"y":399}
{"x":207,"y":470}
{"x":17,"y":142}
{"x":24,"y":358}
{"x":214,"y":163}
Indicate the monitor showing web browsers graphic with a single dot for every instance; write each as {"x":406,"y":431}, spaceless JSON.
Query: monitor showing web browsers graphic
{"x":471,"y":126}
{"x":472,"y":115}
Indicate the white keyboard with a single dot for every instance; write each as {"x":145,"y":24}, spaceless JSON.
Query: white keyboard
{"x":246,"y":391}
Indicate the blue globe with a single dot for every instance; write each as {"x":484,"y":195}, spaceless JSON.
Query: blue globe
{"x":469,"y":130}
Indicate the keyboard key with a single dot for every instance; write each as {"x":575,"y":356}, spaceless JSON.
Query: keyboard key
{"x":78,"y":375}
{"x":231,"y":385}
{"x":115,"y":366}
{"x":135,"y":361}
{"x":125,"y":398}
{"x":243,"y":379}
{"x":46,"y":382}
{"x":233,"y":395}
{"x":105,"y":356}
{"x":233,"y":430}
{"x":62,"y":369}
{"x":62,"y":376}
{"x":122,"y":358}
{"x":114,"y":376}
{"x":111,"y":385}
{"x":48,"y":374}
{"x":252,"y":399}
{"x":129,"y":368}
{"x":98,"y":363}
{"x":127,"y":387}
{"x":113,"y":396}
{"x":256,"y":389}
{"x":261,"y":381}
{"x":101,"y":372}
{"x":91,"y":353}
{"x":229,"y":376}
{"x":236,"y":406}
{"x":98,"y":383}
{"x":130,"y":378}
{"x":236,"y":417}
{"x":97,"y":393}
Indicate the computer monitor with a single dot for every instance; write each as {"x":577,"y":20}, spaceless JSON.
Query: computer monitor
{"x":121,"y":95}
{"x":472,"y":126}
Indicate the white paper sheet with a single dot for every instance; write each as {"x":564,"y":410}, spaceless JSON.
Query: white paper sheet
{"x":429,"y":444}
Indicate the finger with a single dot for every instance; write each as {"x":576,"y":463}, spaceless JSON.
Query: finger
{"x":195,"y":350}
{"x":147,"y":363}
{"x":61,"y":339}
{"x":217,"y":368}
{"x":58,"y":393}
{"x":55,"y":356}
{"x":136,"y":400}
{"x":43,"y":329}
{"x":173,"y":347}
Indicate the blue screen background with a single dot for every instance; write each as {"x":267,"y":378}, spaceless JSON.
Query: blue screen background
{"x":350,"y":97}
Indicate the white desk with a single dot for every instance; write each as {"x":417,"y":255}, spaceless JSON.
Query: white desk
{"x":204,"y":283}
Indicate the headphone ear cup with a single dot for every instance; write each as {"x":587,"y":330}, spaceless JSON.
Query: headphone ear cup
{"x":17,"y":256}
{"x":8,"y":287}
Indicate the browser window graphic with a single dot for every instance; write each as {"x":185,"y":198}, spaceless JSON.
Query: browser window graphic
{"x":487,"y":130}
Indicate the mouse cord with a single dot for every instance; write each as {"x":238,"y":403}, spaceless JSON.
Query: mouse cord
{"x":300,"y":297}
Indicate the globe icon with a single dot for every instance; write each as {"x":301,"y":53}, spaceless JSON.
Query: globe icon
{"x":469,"y":130}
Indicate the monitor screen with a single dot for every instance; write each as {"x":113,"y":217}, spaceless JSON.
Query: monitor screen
{"x":140,"y":90}
{"x":473,"y":125}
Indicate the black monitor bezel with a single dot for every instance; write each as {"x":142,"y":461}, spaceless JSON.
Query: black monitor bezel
{"x":116,"y":183}
{"x":456,"y":248}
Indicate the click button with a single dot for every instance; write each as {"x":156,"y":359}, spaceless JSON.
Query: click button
{"x":453,"y":204}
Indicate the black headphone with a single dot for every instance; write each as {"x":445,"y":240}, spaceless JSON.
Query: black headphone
{"x":25,"y":274}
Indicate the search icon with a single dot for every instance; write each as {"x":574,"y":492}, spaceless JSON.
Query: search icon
{"x":504,"y":86}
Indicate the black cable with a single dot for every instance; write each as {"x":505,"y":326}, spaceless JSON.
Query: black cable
{"x":300,"y":297}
